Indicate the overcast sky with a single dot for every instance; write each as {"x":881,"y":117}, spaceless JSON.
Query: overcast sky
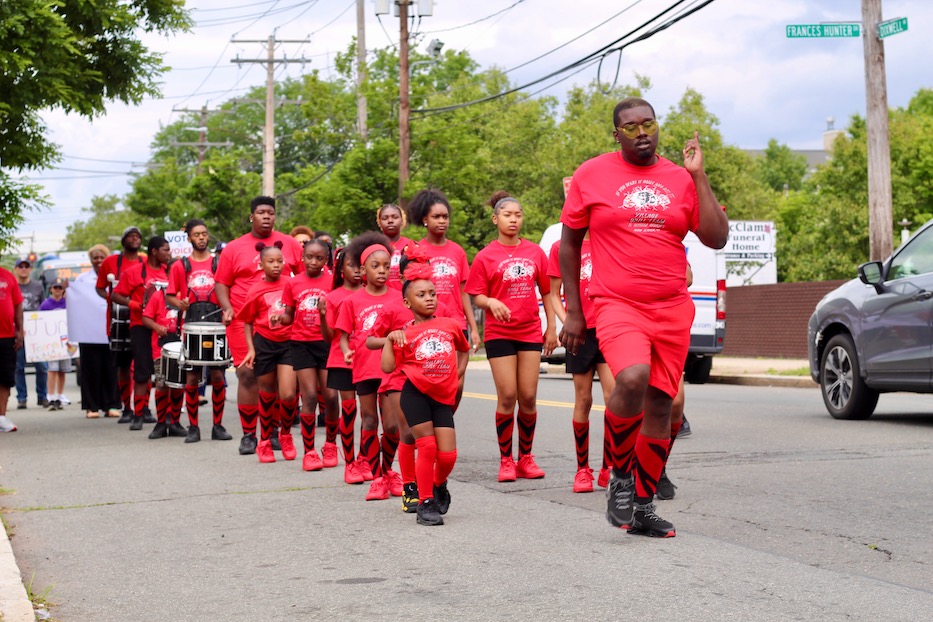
{"x":759,"y":83}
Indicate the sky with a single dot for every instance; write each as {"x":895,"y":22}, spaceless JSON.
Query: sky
{"x":757,"y":81}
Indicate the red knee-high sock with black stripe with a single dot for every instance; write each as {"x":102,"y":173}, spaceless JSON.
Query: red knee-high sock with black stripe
{"x":218,"y":400}
{"x":369,"y":449}
{"x":347,"y":424}
{"x":607,"y":443}
{"x":675,"y":428}
{"x":390,"y":441}
{"x":425,"y":465}
{"x":505,"y":422}
{"x":445,"y":464}
{"x":139,"y":404}
{"x":126,"y":393}
{"x":267,"y":414}
{"x":581,"y":441}
{"x":177,"y":396}
{"x":331,"y":423}
{"x":406,"y":461}
{"x":623,"y":433}
{"x":321,"y":406}
{"x":163,"y":404}
{"x":526,"y":432}
{"x":248,"y":415}
{"x":307,"y":430}
{"x":289,"y":412}
{"x":650,"y":456}
{"x":191,"y":405}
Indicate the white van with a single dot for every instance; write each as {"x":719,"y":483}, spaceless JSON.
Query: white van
{"x":709,"y":296}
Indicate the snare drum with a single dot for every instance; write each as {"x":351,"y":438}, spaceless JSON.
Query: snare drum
{"x":206,"y":344}
{"x":171,"y":370}
{"x":119,"y":328}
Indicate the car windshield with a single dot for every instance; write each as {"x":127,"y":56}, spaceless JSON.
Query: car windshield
{"x":915,"y":259}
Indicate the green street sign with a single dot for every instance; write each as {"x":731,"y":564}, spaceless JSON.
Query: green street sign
{"x":892,"y":27}
{"x":799,"y":31}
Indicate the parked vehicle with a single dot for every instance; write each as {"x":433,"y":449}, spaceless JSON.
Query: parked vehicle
{"x":67,"y":265}
{"x":707,"y":336}
{"x":874,"y":334}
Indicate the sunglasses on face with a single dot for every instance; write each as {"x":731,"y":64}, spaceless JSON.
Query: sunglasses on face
{"x":631,"y":130}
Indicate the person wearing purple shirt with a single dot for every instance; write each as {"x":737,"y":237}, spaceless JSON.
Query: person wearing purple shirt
{"x":57,"y":369}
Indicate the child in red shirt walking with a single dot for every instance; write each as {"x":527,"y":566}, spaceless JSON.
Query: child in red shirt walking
{"x":162,"y":320}
{"x":427,"y":353}
{"x":391,"y":220}
{"x":502,"y":281}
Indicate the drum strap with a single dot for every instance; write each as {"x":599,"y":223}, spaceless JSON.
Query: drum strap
{"x":186,"y":263}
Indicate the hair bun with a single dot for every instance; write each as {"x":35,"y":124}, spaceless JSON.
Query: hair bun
{"x":278,"y":244}
{"x":260,"y":245}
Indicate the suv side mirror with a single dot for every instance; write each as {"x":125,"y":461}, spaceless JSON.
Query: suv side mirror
{"x":871,"y":274}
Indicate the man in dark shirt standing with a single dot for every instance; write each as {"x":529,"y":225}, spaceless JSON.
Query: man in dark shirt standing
{"x":33,"y":295}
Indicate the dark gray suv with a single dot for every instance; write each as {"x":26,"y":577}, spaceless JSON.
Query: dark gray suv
{"x":875,"y":333}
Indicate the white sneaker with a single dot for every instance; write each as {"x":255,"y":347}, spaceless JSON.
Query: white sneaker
{"x":6,"y":425}
{"x":64,"y":399}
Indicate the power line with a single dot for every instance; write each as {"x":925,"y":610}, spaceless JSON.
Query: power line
{"x":233,"y":8}
{"x":473,"y":23}
{"x":339,"y":15}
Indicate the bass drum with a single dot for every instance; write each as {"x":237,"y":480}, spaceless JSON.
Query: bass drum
{"x":119,"y":328}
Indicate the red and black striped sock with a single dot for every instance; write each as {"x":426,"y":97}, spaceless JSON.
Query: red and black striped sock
{"x":218,"y":400}
{"x":650,"y":456}
{"x":346,"y":426}
{"x":267,"y":414}
{"x":369,"y":449}
{"x":389,"y":447}
{"x":424,"y":466}
{"x":445,"y":464}
{"x":191,"y":404}
{"x":248,"y":415}
{"x":178,"y":397}
{"x":526,"y":432}
{"x":289,"y":412}
{"x":163,"y":404}
{"x":321,"y":406}
{"x":406,"y":461}
{"x":126,"y":394}
{"x":139,"y":404}
{"x":607,"y":443}
{"x":307,"y":430}
{"x":330,"y":427}
{"x":505,"y":422}
{"x":581,"y":440}
{"x":675,"y":428}
{"x":623,"y":433}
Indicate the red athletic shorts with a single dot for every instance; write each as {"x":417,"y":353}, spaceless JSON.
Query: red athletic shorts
{"x":631,"y":334}
{"x":236,"y":339}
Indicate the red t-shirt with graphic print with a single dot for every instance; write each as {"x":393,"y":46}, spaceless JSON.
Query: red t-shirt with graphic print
{"x":586,"y":276}
{"x":335,"y":300}
{"x":395,"y":279}
{"x":196,"y":285}
{"x":133,"y":284}
{"x":160,"y":313}
{"x":302,"y":293}
{"x":264,"y":299}
{"x":239,"y":266}
{"x":637,"y":218}
{"x":509,"y":274}
{"x":357,"y":317}
{"x":10,"y":296}
{"x":451,"y":268}
{"x":429,"y":357}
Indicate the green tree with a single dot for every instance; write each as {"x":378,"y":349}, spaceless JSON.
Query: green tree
{"x":780,"y":168}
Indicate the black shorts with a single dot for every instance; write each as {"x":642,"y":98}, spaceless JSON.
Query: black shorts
{"x":340,"y":379}
{"x":418,"y":408}
{"x":309,"y":354}
{"x":368,"y":387}
{"x":269,"y":355}
{"x":506,"y":347}
{"x":122,"y":359}
{"x":587,"y":357}
{"x":7,"y":362}
{"x":141,"y":342}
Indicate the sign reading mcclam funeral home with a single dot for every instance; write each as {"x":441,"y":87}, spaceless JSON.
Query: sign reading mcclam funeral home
{"x":824,"y":30}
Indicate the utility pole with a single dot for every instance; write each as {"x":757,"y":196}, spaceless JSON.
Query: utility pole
{"x":880,"y":211}
{"x":361,"y":68}
{"x":202,"y":145}
{"x":404,"y":107}
{"x":268,"y":143}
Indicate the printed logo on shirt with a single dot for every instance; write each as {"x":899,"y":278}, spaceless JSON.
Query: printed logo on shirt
{"x":586,"y":269}
{"x":645,"y":195}
{"x":444,"y":268}
{"x":202,"y":280}
{"x":369,"y":321}
{"x":517,"y":269}
{"x":308,"y":309}
{"x":274,"y":300}
{"x":431,"y":347}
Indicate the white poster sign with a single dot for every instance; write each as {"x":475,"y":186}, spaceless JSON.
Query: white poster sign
{"x":46,"y":336}
{"x":750,"y":253}
{"x":178,"y":242}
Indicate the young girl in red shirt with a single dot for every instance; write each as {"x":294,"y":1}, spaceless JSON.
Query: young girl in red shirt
{"x":339,"y":374}
{"x":267,"y":342}
{"x":427,"y":353}
{"x":309,"y":350}
{"x":162,"y":320}
{"x":502,"y":281}
{"x":358,"y":316}
{"x":391,"y":220}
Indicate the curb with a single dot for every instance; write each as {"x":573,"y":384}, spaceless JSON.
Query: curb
{"x":763,"y":380}
{"x":15,"y":605}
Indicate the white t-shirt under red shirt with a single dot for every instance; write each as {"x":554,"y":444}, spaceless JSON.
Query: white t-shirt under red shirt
{"x":637,"y":218}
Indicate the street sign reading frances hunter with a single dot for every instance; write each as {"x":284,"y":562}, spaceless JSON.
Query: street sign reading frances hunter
{"x":824,"y":30}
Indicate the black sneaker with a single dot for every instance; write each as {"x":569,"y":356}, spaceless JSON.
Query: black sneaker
{"x":44,"y":403}
{"x":159,"y":431}
{"x":21,"y":406}
{"x":202,"y":401}
{"x":442,"y":497}
{"x":620,"y":497}
{"x":684,"y":429}
{"x":248,"y":444}
{"x":136,"y":423}
{"x":126,"y":417}
{"x":646,"y":523}
{"x":177,"y":429}
{"x":276,"y":445}
{"x":147,"y":416}
{"x":194,"y":434}
{"x":219,"y":433}
{"x":428,"y":513}
{"x":665,"y":487}
{"x":54,"y":405}
{"x":410,"y":498}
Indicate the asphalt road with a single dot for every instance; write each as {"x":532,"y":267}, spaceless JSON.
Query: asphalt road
{"x":782,"y":513}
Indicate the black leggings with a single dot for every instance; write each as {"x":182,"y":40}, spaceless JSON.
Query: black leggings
{"x":418,"y":408}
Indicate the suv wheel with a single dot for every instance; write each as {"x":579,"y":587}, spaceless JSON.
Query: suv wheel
{"x":844,"y":391}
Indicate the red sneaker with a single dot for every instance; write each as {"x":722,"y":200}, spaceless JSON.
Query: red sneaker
{"x":603,"y":480}
{"x":378,"y":490}
{"x":363,"y":466}
{"x":583,"y":482}
{"x":287,"y":441}
{"x":351,"y":473}
{"x":329,"y":455}
{"x":311,"y":461}
{"x":507,"y":470}
{"x":264,"y":451}
{"x":394,"y":483}
{"x":527,"y":469}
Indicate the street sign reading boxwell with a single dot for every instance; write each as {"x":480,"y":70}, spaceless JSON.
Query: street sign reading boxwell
{"x":892,"y":27}
{"x":796,"y":31}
